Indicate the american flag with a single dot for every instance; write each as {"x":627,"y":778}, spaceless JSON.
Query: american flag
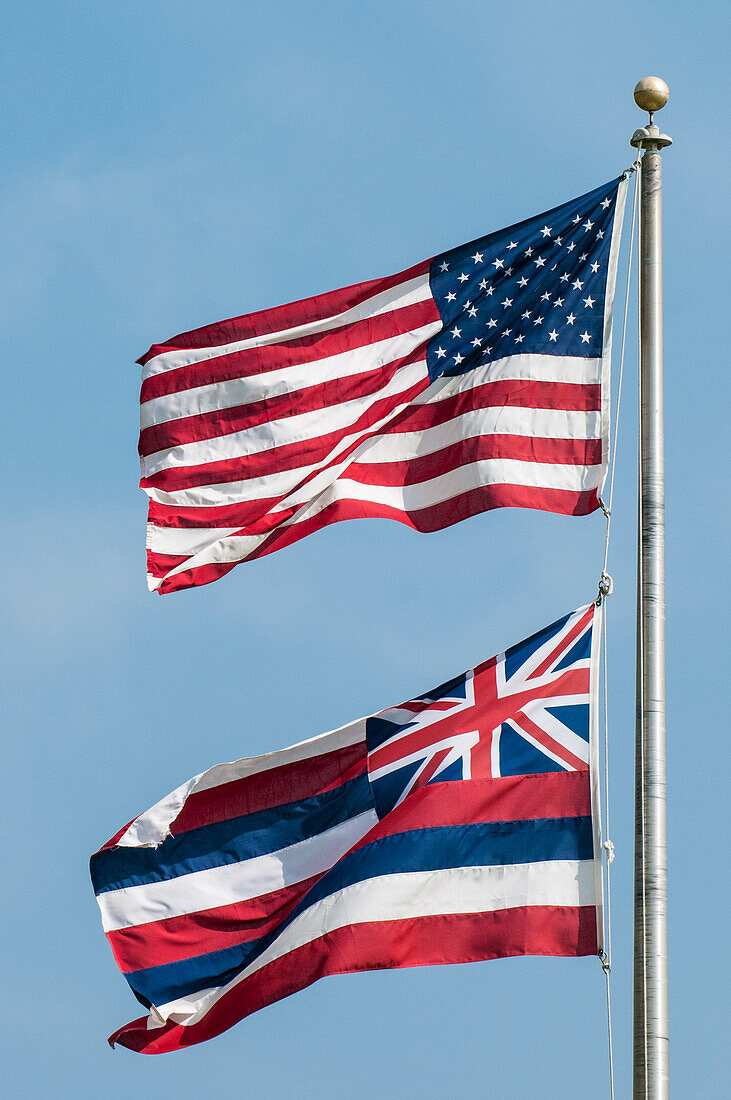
{"x":462,"y":825}
{"x":477,"y":379}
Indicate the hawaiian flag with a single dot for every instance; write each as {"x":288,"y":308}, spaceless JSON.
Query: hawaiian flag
{"x":476,"y":379}
{"x":459,"y":826}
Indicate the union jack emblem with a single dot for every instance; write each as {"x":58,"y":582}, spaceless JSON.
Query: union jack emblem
{"x":522,"y":712}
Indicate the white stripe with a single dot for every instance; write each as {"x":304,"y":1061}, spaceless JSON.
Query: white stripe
{"x":403,"y":294}
{"x":278,"y":433}
{"x":236,"y":882}
{"x":287,"y":380}
{"x":566,"y":883}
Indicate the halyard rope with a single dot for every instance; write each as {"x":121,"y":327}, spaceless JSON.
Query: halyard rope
{"x":605,"y":589}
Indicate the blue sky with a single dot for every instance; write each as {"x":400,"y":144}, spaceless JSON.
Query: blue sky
{"x":168,"y":164}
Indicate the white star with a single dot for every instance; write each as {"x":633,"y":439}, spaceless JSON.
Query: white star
{"x":546,"y":231}
{"x":606,"y":204}
{"x":525,"y":315}
{"x":508,"y":271}
{"x":529,"y":253}
{"x":585,"y":337}
{"x":488,"y":349}
{"x":595,"y":267}
{"x":546,"y":297}
{"x":557,"y":240}
{"x":523,"y":281}
{"x":587,"y":225}
{"x":477,"y":257}
{"x":513,"y":244}
{"x":456,"y":332}
{"x":577,"y":219}
{"x":458,"y":358}
{"x":472,"y":312}
{"x":570,"y":247}
{"x":600,"y":235}
{"x":582,"y":256}
{"x":444,"y":266}
{"x":519,"y":339}
{"x":558,"y":302}
{"x":477,"y":343}
{"x":538,"y":321}
{"x":441,"y":353}
{"x":497,"y":263}
{"x":488,"y":291}
{"x":506,"y":302}
{"x":540,"y":262}
{"x":507,"y":332}
{"x":577,"y":284}
{"x":467,"y":304}
{"x":589,"y":302}
{"x":464,"y":278}
{"x":565,"y":277}
{"x":570,"y":319}
{"x":492,"y":323}
{"x":483,"y":284}
{"x":553,"y":335}
{"x":451,"y":297}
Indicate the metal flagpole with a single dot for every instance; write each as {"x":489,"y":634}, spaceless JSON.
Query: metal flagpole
{"x":650,"y":1059}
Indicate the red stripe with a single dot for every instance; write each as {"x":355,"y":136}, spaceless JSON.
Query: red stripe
{"x":510,"y":798}
{"x":302,"y":312}
{"x":435,"y":518}
{"x":226,"y":421}
{"x":184,"y":937}
{"x":287,"y":353}
{"x":274,"y":787}
{"x":378,"y":945}
{"x":511,"y":392}
{"x":573,"y":452}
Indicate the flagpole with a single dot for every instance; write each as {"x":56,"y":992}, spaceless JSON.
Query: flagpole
{"x":651,"y":1038}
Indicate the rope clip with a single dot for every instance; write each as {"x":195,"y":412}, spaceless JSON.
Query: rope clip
{"x":609,"y":849}
{"x":606,"y":587}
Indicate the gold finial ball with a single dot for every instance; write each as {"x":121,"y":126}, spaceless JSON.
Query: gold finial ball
{"x":651,"y":93}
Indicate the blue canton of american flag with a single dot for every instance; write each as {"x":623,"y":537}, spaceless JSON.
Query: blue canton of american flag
{"x":537,"y":287}
{"x":523,"y":712}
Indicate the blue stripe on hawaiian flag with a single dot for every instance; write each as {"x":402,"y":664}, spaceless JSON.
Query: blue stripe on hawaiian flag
{"x":231,"y":841}
{"x":434,"y":849}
